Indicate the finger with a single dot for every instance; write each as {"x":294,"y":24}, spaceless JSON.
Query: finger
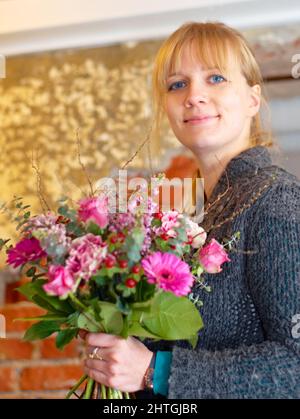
{"x":96,"y":375}
{"x":96,"y":364}
{"x":101,"y":339}
{"x":82,"y":334}
{"x":103,"y":353}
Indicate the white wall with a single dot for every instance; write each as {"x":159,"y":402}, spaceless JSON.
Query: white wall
{"x":39,"y":25}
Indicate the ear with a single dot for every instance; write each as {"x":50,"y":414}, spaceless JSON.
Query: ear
{"x":255,"y":99}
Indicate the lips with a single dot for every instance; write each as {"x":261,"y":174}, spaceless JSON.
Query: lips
{"x":201,"y":118}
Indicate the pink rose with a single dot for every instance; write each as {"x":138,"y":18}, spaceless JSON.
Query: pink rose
{"x":212,"y":256}
{"x":95,"y":210}
{"x":61,"y":282}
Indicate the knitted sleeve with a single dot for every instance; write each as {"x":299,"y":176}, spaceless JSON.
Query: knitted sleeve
{"x":270,"y":369}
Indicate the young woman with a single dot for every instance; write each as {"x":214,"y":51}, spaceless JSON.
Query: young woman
{"x":208,"y":84}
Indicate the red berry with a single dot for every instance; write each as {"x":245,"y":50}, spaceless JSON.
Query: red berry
{"x":121,"y":236}
{"x":130,"y":283}
{"x":164,"y":236}
{"x":109,"y":263}
{"x":158,"y":215}
{"x":123,"y":264}
{"x":135,"y":269}
{"x":113,"y":239}
{"x":173,"y":247}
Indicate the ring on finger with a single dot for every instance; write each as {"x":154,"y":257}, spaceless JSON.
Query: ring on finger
{"x":95,"y":354}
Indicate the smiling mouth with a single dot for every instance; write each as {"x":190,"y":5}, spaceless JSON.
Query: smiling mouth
{"x":200,"y":120}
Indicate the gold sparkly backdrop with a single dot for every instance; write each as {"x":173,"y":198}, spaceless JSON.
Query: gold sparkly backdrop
{"x":105,"y":93}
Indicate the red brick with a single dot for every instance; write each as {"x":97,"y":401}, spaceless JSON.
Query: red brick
{"x":12,"y":295}
{"x":14,"y":311}
{"x":48,"y":349}
{"x":50,"y":377}
{"x":15,"y":349}
{"x":7,"y":379}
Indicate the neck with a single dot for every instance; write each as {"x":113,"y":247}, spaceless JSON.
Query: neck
{"x":213,"y":163}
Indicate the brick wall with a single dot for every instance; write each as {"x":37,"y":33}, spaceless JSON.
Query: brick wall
{"x":34,"y":369}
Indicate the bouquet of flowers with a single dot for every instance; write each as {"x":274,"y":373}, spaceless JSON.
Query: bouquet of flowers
{"x":127,"y":274}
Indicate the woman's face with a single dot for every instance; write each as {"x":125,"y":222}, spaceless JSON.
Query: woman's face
{"x":206,"y":110}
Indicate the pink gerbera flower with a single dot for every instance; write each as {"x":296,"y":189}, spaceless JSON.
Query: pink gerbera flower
{"x":169,"y":272}
{"x":24,"y":251}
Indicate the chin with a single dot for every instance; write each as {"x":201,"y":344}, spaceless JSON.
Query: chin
{"x":203,"y":144}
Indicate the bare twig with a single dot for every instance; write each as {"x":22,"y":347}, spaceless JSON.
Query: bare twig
{"x":139,"y":149}
{"x":81,"y":163}
{"x":36,"y":168}
{"x":67,"y":196}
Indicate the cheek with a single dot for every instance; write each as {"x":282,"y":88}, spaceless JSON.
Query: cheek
{"x":233,"y":107}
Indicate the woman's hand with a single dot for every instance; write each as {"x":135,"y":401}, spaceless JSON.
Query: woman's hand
{"x":123,"y":364}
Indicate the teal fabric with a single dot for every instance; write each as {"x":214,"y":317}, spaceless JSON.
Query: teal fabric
{"x":161,"y":372}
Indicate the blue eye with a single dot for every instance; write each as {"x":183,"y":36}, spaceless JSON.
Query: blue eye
{"x":217,"y":78}
{"x":177,"y":85}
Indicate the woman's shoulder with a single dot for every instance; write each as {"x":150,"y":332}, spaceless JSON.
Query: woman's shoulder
{"x":282,"y":193}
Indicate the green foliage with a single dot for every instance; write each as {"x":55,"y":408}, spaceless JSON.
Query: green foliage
{"x":34,"y":292}
{"x":144,"y":291}
{"x":172,"y":317}
{"x":41,"y":330}
{"x":64,"y":337}
{"x":133,"y":245}
{"x":94,"y":229}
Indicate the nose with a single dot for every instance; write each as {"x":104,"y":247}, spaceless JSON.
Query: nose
{"x":196,"y":94}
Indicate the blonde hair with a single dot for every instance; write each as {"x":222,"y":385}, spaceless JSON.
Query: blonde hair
{"x":212,"y":41}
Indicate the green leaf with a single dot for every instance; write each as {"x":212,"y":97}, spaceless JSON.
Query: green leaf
{"x":64,"y":337}
{"x":41,"y":330}
{"x":86,"y":320}
{"x":30,"y":288}
{"x":47,"y":317}
{"x":107,"y":272}
{"x":34,"y":292}
{"x":42,"y":303}
{"x":112,"y":319}
{"x":172,"y":317}
{"x":144,"y":291}
{"x":193,"y":340}
{"x":94,"y":229}
{"x":136,"y":329}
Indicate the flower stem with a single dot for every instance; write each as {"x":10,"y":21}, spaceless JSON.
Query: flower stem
{"x":75,"y":387}
{"x":110,"y":395}
{"x":103,"y":392}
{"x":89,"y":388}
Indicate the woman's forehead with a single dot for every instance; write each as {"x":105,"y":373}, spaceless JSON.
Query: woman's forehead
{"x":203,"y":56}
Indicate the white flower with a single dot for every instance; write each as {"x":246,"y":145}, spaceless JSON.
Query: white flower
{"x":196,"y":234}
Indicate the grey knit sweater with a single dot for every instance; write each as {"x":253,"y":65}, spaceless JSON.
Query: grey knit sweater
{"x":246,"y":348}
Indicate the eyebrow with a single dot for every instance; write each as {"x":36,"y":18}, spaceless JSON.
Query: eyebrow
{"x":182,"y":74}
